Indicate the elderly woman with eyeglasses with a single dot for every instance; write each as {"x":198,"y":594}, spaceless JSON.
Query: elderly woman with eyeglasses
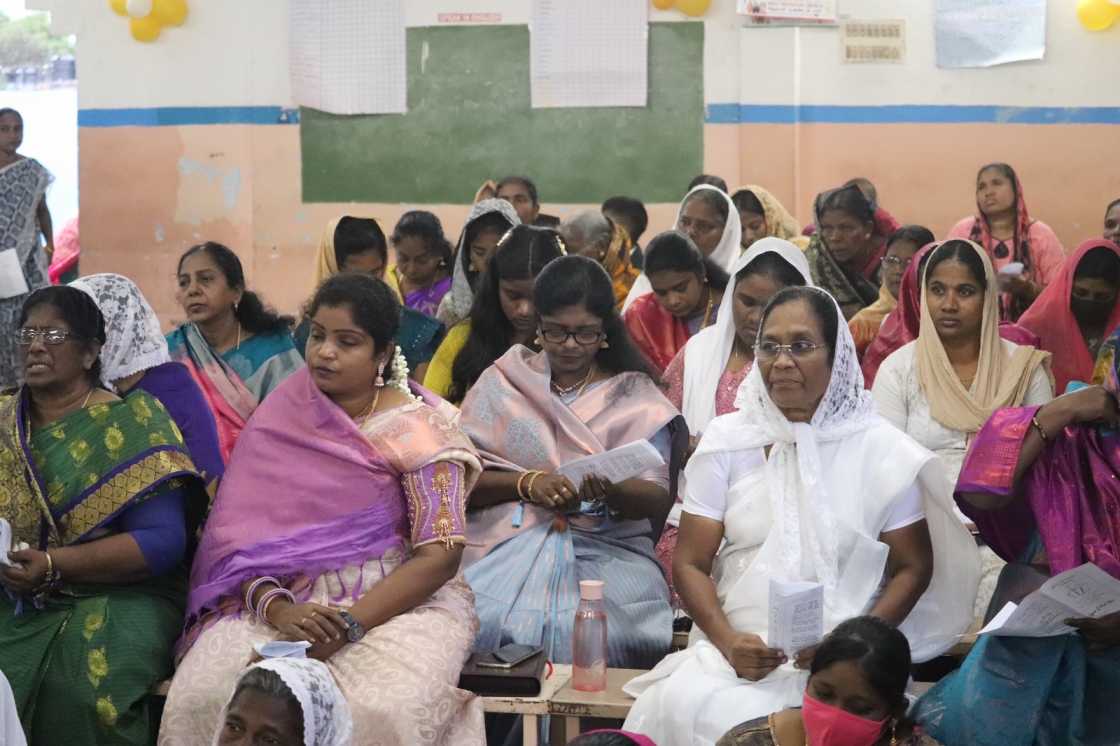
{"x":535,"y":532}
{"x":902,"y":245}
{"x":102,"y":499}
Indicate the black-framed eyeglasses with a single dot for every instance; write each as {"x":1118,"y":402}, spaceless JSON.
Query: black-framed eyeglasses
{"x":27,"y":336}
{"x":582,"y":336}
{"x":797,"y":350}
{"x":895,"y":261}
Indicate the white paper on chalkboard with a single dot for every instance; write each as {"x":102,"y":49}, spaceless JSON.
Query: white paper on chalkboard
{"x":348,"y":56}
{"x":983,"y":33}
{"x":589,"y":53}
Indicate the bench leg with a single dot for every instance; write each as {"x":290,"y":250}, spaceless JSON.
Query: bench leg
{"x":529,"y":729}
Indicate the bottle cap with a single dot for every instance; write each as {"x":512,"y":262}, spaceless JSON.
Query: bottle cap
{"x":591,"y":590}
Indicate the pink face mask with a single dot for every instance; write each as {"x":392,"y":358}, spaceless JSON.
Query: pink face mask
{"x":826,"y":725}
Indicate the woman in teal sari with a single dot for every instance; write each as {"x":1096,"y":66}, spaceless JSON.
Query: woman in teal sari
{"x":235,"y":348}
{"x":100,"y":495}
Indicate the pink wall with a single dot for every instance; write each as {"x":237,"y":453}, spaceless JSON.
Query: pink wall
{"x":150,"y":192}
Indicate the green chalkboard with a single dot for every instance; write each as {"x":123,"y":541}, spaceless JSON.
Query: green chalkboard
{"x":469,"y":119}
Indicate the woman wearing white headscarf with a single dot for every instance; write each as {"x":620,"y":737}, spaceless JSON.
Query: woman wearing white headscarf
{"x":312,"y":710}
{"x":704,"y":377}
{"x":487,"y":222}
{"x":804,"y":483}
{"x":710,"y":219}
{"x":135,"y":358}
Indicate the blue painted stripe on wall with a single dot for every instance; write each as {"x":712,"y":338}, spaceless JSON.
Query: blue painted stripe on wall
{"x":909,"y":114}
{"x":177,"y":116}
{"x":715,"y":114}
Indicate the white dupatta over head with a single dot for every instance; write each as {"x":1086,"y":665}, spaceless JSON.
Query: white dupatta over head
{"x":811,"y":509}
{"x":706,"y":354}
{"x":725,"y":253}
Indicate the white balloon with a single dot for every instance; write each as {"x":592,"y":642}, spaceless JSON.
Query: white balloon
{"x":139,"y":8}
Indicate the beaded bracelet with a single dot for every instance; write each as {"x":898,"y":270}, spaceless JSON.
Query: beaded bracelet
{"x":254,"y":585}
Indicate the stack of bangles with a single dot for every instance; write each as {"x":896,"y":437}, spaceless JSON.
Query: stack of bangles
{"x":260,"y":609}
{"x":526,"y":492}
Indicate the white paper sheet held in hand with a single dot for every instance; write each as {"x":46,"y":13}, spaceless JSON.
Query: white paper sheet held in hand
{"x":616,"y":465}
{"x":12,"y":281}
{"x":1083,"y":592}
{"x":796,"y":616}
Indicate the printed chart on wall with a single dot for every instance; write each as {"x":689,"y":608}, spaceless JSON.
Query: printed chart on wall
{"x":470,"y":118}
{"x":788,"y":12}
{"x":982,"y":33}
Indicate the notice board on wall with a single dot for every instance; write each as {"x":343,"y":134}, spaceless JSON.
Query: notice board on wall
{"x":469,"y":119}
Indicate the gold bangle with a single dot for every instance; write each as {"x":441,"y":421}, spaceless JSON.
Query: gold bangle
{"x":521,"y":484}
{"x":532,"y":481}
{"x":1038,"y":426}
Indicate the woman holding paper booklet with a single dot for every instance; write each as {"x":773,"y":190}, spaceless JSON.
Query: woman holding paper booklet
{"x":1041,"y":484}
{"x":23,"y":217}
{"x":804,"y":483}
{"x":104,"y":496}
{"x":536,"y":533}
{"x":942,"y":387}
{"x":704,"y":377}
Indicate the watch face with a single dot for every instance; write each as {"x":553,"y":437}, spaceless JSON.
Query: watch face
{"x":355,"y":632}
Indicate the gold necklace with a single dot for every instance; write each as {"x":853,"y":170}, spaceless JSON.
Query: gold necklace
{"x":372,"y":406}
{"x":580,"y":385}
{"x":708,"y":312}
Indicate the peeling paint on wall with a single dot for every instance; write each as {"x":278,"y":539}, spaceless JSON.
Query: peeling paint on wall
{"x":207,"y":192}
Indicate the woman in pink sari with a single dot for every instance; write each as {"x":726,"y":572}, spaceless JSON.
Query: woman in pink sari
{"x":535,"y":534}
{"x":235,"y":348}
{"x":341,"y":523}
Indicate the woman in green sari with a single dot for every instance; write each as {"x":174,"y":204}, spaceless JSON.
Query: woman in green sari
{"x":100,"y":495}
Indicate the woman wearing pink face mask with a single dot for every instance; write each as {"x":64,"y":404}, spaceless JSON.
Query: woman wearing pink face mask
{"x":855,"y":696}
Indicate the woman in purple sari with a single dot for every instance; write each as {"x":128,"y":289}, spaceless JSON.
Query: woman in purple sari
{"x":1041,"y":484}
{"x":341,"y":523}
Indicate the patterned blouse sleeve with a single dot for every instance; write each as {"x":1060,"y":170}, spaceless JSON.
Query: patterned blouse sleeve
{"x":673,"y":380}
{"x":437,"y":503}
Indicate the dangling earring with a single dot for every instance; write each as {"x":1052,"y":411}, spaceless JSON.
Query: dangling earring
{"x":894,"y":736}
{"x":379,"y":382}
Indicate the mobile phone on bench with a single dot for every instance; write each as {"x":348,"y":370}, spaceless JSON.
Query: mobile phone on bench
{"x":508,"y":656}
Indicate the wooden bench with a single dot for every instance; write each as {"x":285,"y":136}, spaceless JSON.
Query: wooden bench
{"x":611,"y":704}
{"x":530,"y":708}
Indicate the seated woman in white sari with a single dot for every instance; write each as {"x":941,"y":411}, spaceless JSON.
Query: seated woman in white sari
{"x":805,"y":483}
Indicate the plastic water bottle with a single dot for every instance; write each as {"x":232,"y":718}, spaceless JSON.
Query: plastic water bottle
{"x":589,"y":639}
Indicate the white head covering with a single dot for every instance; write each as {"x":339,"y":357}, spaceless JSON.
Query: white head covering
{"x":707,"y":352}
{"x":725,"y":253}
{"x":326,"y":715}
{"x":134,"y":341}
{"x":456,"y":305}
{"x":804,"y":490}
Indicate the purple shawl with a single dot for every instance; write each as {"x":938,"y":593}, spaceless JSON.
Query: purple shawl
{"x":1071,"y":494}
{"x":307,"y":492}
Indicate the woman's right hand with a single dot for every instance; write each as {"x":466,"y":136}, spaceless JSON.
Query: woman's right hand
{"x":310,"y":622}
{"x":1092,"y":404}
{"x":750,"y":657}
{"x":488,"y":190}
{"x":552,"y":491}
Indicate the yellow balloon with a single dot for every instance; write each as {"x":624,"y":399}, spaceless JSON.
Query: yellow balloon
{"x":1097,"y":15}
{"x":145,"y":29}
{"x":120,"y":7}
{"x":170,"y":12}
{"x":664,"y":4}
{"x":693,"y":7}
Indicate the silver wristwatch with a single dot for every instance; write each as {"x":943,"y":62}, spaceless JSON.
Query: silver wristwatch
{"x":354,"y":629}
